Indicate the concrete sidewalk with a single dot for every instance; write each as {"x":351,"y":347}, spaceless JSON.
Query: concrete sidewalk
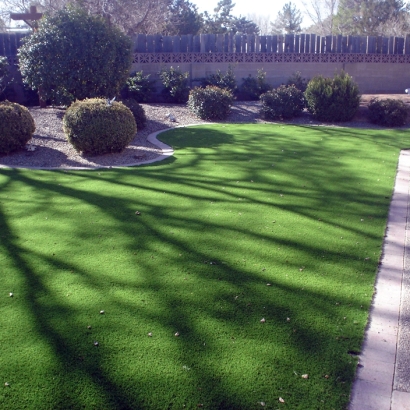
{"x":383,"y":375}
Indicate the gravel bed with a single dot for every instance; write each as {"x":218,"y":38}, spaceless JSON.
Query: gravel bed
{"x":51,"y":149}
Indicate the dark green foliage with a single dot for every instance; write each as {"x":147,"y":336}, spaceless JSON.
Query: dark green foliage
{"x":139,"y":87}
{"x":210,"y":103}
{"x":333,"y":99}
{"x":75,"y":56}
{"x":94,"y":127}
{"x":137,"y":111}
{"x":388,"y":112}
{"x":16,"y":126}
{"x":222,"y":80}
{"x":252,"y":88}
{"x":283,"y":103}
{"x":4,"y":73}
{"x":176,"y":88}
{"x":183,"y":18}
{"x":298,"y":81}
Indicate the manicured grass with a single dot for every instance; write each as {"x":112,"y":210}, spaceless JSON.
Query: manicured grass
{"x":245,"y":222}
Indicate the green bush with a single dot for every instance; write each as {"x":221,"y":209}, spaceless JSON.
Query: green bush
{"x":252,"y":88}
{"x":74,"y":56}
{"x":298,"y":81}
{"x":222,"y":80}
{"x":137,"y":111}
{"x":333,"y":100}
{"x":139,"y":87}
{"x":93,"y":126}
{"x":16,"y":127}
{"x":176,"y":88}
{"x":283,"y":103}
{"x":4,"y":73}
{"x":210,"y":103}
{"x":388,"y":112}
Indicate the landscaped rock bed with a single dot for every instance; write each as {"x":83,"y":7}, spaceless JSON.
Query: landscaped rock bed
{"x":50,"y":149}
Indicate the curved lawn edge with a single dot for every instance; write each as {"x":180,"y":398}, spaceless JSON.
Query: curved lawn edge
{"x":167,"y":152}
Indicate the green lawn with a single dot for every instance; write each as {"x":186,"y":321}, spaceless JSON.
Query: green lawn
{"x":244,"y":223}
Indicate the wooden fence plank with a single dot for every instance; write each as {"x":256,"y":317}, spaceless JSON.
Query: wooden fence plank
{"x":158,"y":43}
{"x":269,"y":45}
{"x":302,"y":44}
{"x":308,"y":45}
{"x":141,"y":43}
{"x":196,"y":44}
{"x":371,"y":44}
{"x":219,"y":43}
{"x":183,"y":44}
{"x":400,"y":45}
{"x":263,"y":44}
{"x":274,"y":40}
{"x":280,"y":43}
{"x":250,"y":43}
{"x":243,"y":44}
{"x":339,"y":43}
{"x":407,"y":45}
{"x":385,"y":45}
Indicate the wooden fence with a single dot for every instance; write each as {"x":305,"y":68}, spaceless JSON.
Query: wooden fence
{"x":288,"y":43}
{"x":226,"y":43}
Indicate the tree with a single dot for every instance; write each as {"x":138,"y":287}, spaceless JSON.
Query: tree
{"x":74,"y":56}
{"x":322,"y":13}
{"x":241,"y":25}
{"x":262,"y":21}
{"x":369,"y":17}
{"x":183,"y":18}
{"x":220,"y":21}
{"x":288,"y":20}
{"x":131,"y":16}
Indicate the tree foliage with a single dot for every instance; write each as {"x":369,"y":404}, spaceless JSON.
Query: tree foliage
{"x":371,"y":17}
{"x":182,"y":18}
{"x":288,"y":20}
{"x":223,"y":21}
{"x":74,"y":56}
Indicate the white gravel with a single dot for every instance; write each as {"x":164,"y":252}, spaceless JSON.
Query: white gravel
{"x":51,"y":149}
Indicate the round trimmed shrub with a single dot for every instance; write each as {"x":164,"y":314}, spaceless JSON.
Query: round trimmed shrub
{"x":16,"y":127}
{"x":94,"y":126}
{"x":332,"y":99}
{"x":137,"y":111}
{"x":285,"y":102}
{"x":73,"y":56}
{"x":389,"y":112}
{"x":210,"y":103}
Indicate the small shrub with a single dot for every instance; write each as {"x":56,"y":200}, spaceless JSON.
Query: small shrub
{"x":16,"y":127}
{"x":222,"y":80}
{"x":252,"y":88}
{"x":333,"y":100}
{"x":139,"y":87}
{"x":298,"y":81}
{"x":210,"y":103}
{"x":283,"y":103}
{"x":175,"y":83}
{"x":94,"y":127}
{"x":388,"y":112}
{"x":137,"y":111}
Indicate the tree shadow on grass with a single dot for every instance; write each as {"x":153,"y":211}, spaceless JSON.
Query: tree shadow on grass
{"x":190,"y":272}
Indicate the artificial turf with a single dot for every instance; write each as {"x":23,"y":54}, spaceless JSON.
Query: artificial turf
{"x":186,"y":257}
